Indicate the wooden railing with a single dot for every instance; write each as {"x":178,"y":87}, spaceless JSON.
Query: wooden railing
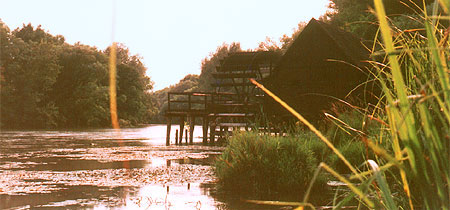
{"x":188,"y":101}
{"x":198,"y":101}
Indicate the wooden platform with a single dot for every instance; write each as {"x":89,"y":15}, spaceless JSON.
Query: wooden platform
{"x":235,"y":103}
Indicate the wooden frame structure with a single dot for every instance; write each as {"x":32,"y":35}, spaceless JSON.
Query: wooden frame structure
{"x":234,"y":104}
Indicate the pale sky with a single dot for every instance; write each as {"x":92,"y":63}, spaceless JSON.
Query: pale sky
{"x":171,"y":36}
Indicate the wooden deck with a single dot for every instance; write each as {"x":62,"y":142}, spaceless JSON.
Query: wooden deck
{"x":234,"y":105}
{"x":187,"y":106}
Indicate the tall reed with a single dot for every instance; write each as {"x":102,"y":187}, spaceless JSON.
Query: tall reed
{"x":416,"y":85}
{"x":416,"y":106}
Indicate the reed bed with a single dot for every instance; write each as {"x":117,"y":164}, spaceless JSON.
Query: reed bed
{"x":410,"y":168}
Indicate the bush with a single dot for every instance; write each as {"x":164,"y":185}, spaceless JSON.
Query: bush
{"x":265,"y":164}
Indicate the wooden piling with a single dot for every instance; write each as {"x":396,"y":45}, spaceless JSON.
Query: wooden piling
{"x":186,"y":136}
{"x":176,"y":136}
{"x":181,"y":129}
{"x":191,"y":129}
{"x":212,"y":133}
{"x":205,"y":130}
{"x":169,"y":125}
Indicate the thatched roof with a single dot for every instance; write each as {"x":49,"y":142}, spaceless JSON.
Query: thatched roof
{"x":323,"y":62}
{"x":320,"y":42}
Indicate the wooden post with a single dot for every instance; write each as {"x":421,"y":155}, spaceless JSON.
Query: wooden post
{"x":189,"y":102}
{"x":191,"y":129}
{"x":168,"y":102}
{"x":186,"y":136}
{"x":205,"y":129}
{"x":169,"y":125}
{"x":176,"y":136}
{"x":181,"y":129}
{"x":212,"y":132}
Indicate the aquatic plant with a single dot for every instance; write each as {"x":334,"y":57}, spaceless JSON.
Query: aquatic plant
{"x":263,"y":164}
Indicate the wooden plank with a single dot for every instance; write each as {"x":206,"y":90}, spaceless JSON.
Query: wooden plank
{"x":231,"y":115}
{"x":231,"y":84}
{"x":234,"y":105}
{"x":225,"y":75}
{"x":186,"y":112}
{"x":233,"y":125}
{"x":186,"y":101}
{"x":191,"y":93}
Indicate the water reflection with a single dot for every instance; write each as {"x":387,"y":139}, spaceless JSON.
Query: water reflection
{"x":69,"y":197}
{"x":100,"y":169}
{"x":188,"y":196}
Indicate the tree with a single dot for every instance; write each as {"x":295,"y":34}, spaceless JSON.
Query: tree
{"x":81,"y":91}
{"x":133,"y":86}
{"x":48,"y":83}
{"x":355,"y":15}
{"x":29,"y":70}
{"x":27,"y":33}
{"x":209,"y":64}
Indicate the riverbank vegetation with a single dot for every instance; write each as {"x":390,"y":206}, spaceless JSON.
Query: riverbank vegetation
{"x":282,"y":166}
{"x":404,"y":147}
{"x":47,"y":83}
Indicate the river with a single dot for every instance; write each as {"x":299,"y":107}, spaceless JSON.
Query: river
{"x":104,"y":169}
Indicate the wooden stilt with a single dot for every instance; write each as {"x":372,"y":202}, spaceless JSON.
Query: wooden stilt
{"x":191,"y":129}
{"x":169,"y":126}
{"x":181,"y":129}
{"x":176,"y":136}
{"x":186,"y":136}
{"x":205,"y":130}
{"x":212,"y":132}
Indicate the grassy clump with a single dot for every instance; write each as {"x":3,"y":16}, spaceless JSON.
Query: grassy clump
{"x":267,"y":164}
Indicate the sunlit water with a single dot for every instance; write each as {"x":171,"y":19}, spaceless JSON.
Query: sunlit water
{"x":104,"y":169}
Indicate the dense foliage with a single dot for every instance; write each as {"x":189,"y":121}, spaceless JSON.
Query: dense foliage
{"x":47,"y":83}
{"x":357,"y":16}
{"x":261,"y":164}
{"x":266,"y":165}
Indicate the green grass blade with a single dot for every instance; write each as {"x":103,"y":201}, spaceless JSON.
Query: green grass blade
{"x":350,"y":185}
{"x":438,"y":58}
{"x":387,"y":195}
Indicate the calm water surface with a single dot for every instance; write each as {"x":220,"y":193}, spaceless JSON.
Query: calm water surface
{"x":104,"y":169}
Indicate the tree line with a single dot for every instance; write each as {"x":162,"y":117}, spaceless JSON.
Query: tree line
{"x":48,"y":83}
